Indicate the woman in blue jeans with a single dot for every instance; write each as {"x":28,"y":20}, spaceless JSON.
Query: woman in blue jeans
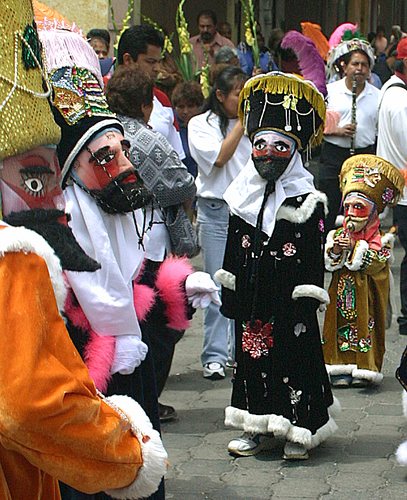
{"x":217,"y":144}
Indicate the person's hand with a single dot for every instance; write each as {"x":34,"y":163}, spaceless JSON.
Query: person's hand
{"x":347,"y":130}
{"x":130,"y":351}
{"x":201,"y":290}
{"x":341,"y":243}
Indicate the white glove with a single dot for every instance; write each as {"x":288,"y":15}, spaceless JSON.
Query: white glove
{"x":129,"y":353}
{"x":201,"y":290}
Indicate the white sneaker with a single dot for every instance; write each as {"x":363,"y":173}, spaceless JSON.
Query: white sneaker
{"x":249,"y":444}
{"x":295,"y":451}
{"x":214,"y":371}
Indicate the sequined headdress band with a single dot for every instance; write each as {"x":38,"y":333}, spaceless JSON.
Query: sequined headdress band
{"x":25,"y":118}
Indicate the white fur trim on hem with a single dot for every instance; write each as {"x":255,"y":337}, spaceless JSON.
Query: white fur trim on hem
{"x":279,"y":426}
{"x":369,"y":375}
{"x":20,"y":239}
{"x":313,"y":291}
{"x":226,"y":279}
{"x":401,"y":454}
{"x":340,"y":369}
{"x":359,"y":251}
{"x":303,"y":213}
{"x":153,"y":452}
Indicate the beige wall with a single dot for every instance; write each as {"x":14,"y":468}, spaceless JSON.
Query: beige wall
{"x":86,"y":14}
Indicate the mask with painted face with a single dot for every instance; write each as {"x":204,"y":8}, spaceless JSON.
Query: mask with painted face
{"x":358,"y":211}
{"x":272,"y":153}
{"x":104,"y":171}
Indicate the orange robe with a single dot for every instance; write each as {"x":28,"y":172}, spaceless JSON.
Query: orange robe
{"x":52,"y":424}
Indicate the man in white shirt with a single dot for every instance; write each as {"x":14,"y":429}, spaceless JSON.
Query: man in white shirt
{"x":141,"y":45}
{"x":392,"y":145}
{"x":355,"y":122}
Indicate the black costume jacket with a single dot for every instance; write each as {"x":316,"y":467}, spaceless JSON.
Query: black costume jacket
{"x":280,"y":371}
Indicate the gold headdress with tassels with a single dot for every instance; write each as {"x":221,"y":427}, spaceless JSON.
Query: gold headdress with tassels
{"x":26,"y":120}
{"x":286,"y":103}
{"x":374,"y":177}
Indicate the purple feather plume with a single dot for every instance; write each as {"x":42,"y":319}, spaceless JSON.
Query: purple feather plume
{"x":311,"y":64}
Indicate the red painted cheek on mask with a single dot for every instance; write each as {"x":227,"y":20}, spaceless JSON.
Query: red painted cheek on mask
{"x":357,"y":212}
{"x":271,"y":152}
{"x":98,"y":177}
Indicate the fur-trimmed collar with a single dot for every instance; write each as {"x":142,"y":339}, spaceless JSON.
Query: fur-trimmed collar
{"x":302,"y":213}
{"x":20,"y":239}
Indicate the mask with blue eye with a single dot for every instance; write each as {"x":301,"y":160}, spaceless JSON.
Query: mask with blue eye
{"x":271,"y":153}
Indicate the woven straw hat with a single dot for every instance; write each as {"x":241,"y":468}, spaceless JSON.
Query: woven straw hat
{"x":26,"y":121}
{"x":374,"y":177}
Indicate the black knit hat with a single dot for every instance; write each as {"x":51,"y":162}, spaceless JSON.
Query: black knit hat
{"x":286,"y":103}
{"x":81,"y":110}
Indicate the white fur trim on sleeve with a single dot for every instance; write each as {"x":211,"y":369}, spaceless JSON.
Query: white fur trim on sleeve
{"x":226,"y":279}
{"x":330,"y":263}
{"x":313,"y":291}
{"x":358,"y":253}
{"x":153,"y":452}
{"x":20,"y":239}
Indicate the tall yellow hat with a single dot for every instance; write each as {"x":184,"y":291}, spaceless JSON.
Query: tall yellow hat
{"x":374,"y":177}
{"x":26,"y":120}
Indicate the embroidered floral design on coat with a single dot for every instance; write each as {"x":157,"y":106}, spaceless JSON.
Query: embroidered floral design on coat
{"x":295,"y":398}
{"x":346,"y":297}
{"x":257,"y":338}
{"x":321,"y":225}
{"x":289,"y":249}
{"x":246,"y":241}
{"x":347,"y":337}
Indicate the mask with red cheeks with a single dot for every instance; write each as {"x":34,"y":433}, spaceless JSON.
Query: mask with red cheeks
{"x":103,"y":159}
{"x":31,"y":181}
{"x":103,"y":170}
{"x":358,"y":211}
{"x":271,"y":153}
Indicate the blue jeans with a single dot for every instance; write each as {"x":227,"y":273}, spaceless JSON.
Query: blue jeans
{"x":212,"y":222}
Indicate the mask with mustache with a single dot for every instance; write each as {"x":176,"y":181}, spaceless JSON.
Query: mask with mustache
{"x":119,"y":197}
{"x":51,"y":225}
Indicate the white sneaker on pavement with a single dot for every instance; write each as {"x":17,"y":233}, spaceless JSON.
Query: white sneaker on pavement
{"x":214,"y":371}
{"x":249,"y":444}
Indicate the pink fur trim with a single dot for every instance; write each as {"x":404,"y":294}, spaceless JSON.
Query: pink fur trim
{"x":74,"y":312}
{"x":144,"y":298}
{"x":170,"y":281}
{"x":99,"y":355}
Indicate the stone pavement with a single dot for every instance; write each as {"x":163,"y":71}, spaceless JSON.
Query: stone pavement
{"x":356,"y":463}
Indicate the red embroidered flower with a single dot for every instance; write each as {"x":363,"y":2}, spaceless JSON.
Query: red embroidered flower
{"x":257,"y":338}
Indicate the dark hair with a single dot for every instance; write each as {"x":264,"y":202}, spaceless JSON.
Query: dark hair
{"x":99,"y":33}
{"x":207,"y":13}
{"x":135,"y":39}
{"x":189,"y":92}
{"x":127,"y":90}
{"x":225,"y":82}
{"x":399,"y":65}
{"x":347,"y":57}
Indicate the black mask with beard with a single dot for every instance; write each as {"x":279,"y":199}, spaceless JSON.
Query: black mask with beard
{"x":270,"y":167}
{"x":119,"y":197}
{"x":59,"y":236}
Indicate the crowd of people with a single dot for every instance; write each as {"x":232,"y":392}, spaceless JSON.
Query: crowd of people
{"x":114,"y":172}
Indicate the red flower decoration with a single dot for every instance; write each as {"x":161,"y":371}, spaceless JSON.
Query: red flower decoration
{"x":257,"y":338}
